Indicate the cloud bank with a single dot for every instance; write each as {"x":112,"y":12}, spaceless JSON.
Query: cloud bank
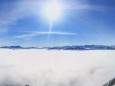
{"x":56,"y":68}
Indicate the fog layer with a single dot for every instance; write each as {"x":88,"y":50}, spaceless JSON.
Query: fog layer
{"x":56,"y":68}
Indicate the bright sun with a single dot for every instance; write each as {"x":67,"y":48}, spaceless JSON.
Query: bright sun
{"x":52,"y":11}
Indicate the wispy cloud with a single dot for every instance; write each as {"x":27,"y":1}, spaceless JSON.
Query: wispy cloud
{"x":13,"y":11}
{"x":33,"y":34}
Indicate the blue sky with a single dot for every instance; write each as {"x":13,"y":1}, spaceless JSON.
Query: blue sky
{"x":82,"y":22}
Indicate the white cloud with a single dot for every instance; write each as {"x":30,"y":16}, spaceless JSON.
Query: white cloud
{"x":56,"y":68}
{"x":19,"y":9}
{"x":16,"y":10}
{"x":33,"y":34}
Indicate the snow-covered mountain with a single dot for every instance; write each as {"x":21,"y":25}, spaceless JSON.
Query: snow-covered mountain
{"x":12,"y":47}
{"x":74,"y":47}
{"x":84,"y":47}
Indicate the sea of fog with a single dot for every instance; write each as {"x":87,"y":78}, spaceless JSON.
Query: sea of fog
{"x":56,"y":68}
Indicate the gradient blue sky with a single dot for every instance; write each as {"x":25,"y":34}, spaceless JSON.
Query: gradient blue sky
{"x":82,"y":22}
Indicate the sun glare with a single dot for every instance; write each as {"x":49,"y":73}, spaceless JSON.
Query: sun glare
{"x":52,"y":11}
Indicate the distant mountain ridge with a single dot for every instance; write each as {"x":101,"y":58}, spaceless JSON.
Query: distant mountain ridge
{"x":17,"y":47}
{"x":73,"y":47}
{"x":84,"y":47}
{"x":11,"y":47}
